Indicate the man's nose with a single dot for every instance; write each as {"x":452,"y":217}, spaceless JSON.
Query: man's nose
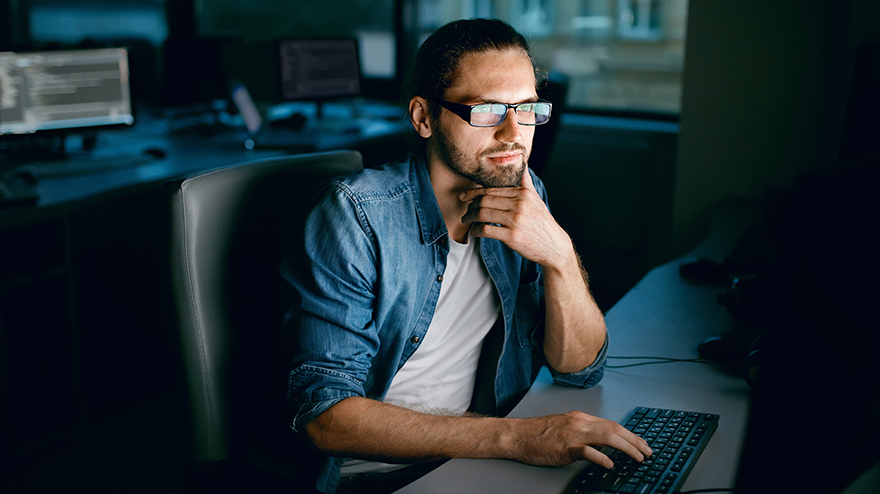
{"x":509,"y":130}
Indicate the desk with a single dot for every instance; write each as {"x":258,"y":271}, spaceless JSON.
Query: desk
{"x":661,"y":316}
{"x":380,"y":139}
{"x":82,"y":328}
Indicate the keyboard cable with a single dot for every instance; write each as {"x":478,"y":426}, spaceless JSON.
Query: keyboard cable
{"x":700,"y":491}
{"x":657,"y":360}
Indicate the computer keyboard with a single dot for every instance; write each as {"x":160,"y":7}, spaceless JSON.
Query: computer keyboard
{"x":677,"y":439}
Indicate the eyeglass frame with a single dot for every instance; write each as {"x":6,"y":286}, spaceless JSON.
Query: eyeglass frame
{"x":464,"y":111}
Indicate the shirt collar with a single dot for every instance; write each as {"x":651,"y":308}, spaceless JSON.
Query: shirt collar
{"x":427,"y":208}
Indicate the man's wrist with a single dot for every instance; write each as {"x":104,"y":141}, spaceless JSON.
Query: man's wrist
{"x":501,"y":440}
{"x":566,"y":264}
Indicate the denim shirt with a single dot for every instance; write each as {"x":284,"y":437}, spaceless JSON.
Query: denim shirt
{"x":366,"y":266}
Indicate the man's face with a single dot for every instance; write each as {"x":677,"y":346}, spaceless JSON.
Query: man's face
{"x":489,"y":156}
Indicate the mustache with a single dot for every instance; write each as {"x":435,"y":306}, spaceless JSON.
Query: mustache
{"x":505,"y":148}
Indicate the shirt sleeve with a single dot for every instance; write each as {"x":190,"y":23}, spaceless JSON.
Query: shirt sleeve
{"x":330,"y":266}
{"x":588,"y":377}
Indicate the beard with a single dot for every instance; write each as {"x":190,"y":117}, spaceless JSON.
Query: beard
{"x":478,"y":170}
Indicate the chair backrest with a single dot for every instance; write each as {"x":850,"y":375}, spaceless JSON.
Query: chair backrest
{"x":227,"y":230}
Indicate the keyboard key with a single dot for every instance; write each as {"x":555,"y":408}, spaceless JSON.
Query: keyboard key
{"x":644,"y":488}
{"x":615,"y":483}
{"x":628,"y":488}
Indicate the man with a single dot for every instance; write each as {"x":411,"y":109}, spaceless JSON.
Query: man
{"x":402,"y":272}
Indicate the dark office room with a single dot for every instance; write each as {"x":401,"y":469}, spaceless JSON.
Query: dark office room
{"x":714,"y":163}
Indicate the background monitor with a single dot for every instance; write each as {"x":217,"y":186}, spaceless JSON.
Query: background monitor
{"x":64,"y":90}
{"x":318,"y":69}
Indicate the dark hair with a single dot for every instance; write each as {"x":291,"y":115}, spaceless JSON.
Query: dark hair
{"x":440,"y":55}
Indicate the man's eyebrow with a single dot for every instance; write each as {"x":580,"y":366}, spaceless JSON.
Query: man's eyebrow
{"x":479,"y":101}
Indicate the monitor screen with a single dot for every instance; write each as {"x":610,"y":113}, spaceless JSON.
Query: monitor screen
{"x":59,"y":90}
{"x":319,"y":69}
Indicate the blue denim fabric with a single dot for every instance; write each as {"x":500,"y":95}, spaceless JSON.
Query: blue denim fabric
{"x":365,"y":268}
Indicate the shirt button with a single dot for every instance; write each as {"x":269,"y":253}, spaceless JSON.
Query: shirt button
{"x":440,"y":278}
{"x":415,"y":339}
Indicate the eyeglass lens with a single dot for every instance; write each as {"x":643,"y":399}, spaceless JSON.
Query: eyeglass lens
{"x":492,"y":114}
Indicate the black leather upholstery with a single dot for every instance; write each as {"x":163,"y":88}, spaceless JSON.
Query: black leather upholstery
{"x":227,"y":228}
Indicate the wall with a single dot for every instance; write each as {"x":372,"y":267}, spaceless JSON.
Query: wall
{"x":610,"y":187}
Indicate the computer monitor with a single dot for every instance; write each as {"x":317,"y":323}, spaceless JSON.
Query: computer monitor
{"x":815,"y":412}
{"x":319,"y":69}
{"x":60,"y":91}
{"x":859,"y":142}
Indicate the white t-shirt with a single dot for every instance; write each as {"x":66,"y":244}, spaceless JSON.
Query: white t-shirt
{"x":439,"y":377}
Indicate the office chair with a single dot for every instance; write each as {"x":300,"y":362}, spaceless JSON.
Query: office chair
{"x":227,"y":229}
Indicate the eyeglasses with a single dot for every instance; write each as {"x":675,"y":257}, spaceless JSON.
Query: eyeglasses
{"x":494,"y":114}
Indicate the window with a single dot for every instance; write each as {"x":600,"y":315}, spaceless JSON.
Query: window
{"x":70,"y":22}
{"x":370,"y":21}
{"x":619,"y":55}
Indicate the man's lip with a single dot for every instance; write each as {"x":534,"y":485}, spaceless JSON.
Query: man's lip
{"x":504,"y":156}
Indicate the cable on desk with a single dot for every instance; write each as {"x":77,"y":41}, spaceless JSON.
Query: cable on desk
{"x":658,"y":360}
{"x":700,"y":491}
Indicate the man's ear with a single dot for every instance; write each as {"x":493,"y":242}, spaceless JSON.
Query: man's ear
{"x":420,"y":116}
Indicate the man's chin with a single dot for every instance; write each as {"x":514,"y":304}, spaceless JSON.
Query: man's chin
{"x":508,"y":177}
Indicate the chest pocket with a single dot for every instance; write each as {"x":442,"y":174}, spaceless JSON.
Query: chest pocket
{"x":529,"y":315}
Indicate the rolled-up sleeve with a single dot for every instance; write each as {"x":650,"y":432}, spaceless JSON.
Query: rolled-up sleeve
{"x":312,"y":390}
{"x":330,"y":266}
{"x":588,"y":377}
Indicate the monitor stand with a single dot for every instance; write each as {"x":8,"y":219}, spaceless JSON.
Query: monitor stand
{"x":332,"y":121}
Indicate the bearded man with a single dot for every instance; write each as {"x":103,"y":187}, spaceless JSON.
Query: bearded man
{"x":429,"y":292}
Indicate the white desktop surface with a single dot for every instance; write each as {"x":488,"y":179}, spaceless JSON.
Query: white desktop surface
{"x":662,"y":316}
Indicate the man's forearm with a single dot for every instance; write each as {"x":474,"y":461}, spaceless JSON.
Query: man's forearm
{"x":367,"y":429}
{"x":363,"y":428}
{"x":574,"y":325}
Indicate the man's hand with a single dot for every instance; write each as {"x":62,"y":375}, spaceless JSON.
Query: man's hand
{"x":518,"y":217}
{"x":562,"y":439}
{"x":575,"y":327}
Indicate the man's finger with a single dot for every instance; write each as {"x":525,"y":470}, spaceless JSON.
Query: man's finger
{"x":592,"y":454}
{"x":471,"y":194}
